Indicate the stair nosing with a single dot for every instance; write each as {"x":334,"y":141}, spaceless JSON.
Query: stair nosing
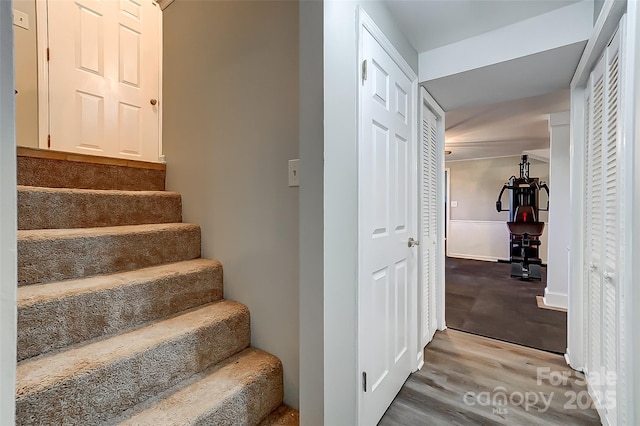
{"x":30,"y":188}
{"x":100,"y":231}
{"x":156,"y":333}
{"x":29,"y":295}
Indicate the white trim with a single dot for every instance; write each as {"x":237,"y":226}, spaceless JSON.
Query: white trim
{"x":447,"y":218}
{"x":486,"y":158}
{"x":474,"y":257}
{"x":42,"y":36}
{"x":161,"y":156}
{"x":556,"y":300}
{"x":502,"y":222}
{"x":8,"y":221}
{"x":576,"y":340}
{"x":630,"y":270}
{"x":365,"y":23}
{"x":164,"y":3}
{"x":603,"y":30}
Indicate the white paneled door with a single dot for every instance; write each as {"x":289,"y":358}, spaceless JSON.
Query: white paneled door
{"x":104,"y":62}
{"x":387,"y":205}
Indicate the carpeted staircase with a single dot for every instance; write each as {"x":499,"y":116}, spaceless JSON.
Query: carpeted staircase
{"x":119,"y":319}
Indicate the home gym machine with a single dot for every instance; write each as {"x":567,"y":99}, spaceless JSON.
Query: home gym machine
{"x":524,"y":226}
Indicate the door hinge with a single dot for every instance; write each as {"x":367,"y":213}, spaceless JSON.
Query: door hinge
{"x":364,"y":70}
{"x":48,"y":56}
{"x":364,"y":381}
{"x":48,"y":141}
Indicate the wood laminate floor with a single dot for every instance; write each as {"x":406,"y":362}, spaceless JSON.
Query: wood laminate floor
{"x":473,"y":380}
{"x":482,"y":298}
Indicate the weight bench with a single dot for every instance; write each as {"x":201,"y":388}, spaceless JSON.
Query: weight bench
{"x":525,"y":240}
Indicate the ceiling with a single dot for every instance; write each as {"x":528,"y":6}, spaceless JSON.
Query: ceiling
{"x":428,"y":24}
{"x":501,"y":109}
{"x":502,"y":129}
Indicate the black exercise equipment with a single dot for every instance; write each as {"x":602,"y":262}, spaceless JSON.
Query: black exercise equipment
{"x":524,"y":228}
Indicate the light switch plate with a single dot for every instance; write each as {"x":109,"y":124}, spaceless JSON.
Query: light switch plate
{"x":20,"y":19}
{"x":454,"y":204}
{"x":294,"y":172}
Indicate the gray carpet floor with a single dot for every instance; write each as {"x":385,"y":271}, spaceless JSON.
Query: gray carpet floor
{"x":481,"y":298}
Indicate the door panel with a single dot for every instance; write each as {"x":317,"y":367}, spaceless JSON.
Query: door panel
{"x":103,"y":73}
{"x":603,"y":234}
{"x":387,"y":220}
{"x":430,"y":182}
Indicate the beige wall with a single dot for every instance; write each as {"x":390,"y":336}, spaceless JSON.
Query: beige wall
{"x":475,"y":185}
{"x":26,"y":77}
{"x":477,"y":230}
{"x":230,"y":126}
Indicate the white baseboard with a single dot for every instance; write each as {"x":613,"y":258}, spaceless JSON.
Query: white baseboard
{"x":556,"y":300}
{"x":482,"y":240}
{"x":474,"y":257}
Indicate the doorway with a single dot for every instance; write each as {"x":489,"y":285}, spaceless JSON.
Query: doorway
{"x":88,"y":77}
{"x":482,"y":297}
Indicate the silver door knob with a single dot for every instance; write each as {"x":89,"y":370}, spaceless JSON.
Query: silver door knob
{"x":607,"y":275}
{"x":413,"y":242}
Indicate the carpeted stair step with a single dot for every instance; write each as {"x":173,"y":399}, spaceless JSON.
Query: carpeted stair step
{"x":282,"y":416}
{"x":91,"y":383}
{"x":47,"y":208}
{"x":241,"y":390}
{"x":49,"y":255}
{"x":52,"y":169}
{"x":59,"y":314}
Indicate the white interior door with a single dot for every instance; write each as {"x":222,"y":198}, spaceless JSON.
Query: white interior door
{"x":593,"y":222}
{"x":104,"y":61}
{"x":603,"y":148}
{"x":430,"y":181}
{"x":387,"y":204}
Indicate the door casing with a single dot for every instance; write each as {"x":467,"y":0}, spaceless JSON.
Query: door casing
{"x":42,"y":29}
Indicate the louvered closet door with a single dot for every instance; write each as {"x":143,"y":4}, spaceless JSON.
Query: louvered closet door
{"x":429,"y":223}
{"x":587,"y":225}
{"x":613,"y":204}
{"x":593,"y":249}
{"x":603,"y":232}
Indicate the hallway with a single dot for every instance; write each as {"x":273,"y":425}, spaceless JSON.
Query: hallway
{"x":471,"y":380}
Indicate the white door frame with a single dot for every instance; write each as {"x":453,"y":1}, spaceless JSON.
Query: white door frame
{"x":365,"y":23}
{"x":427,"y":101}
{"x":42,"y":31}
{"x":604,"y":29}
{"x":447,"y":217}
{"x":8,"y":221}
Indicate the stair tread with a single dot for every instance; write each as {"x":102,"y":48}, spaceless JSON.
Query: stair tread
{"x":37,"y":374}
{"x":204,"y":392}
{"x":39,"y":293}
{"x":35,"y":234}
{"x":282,"y":416}
{"x":26,"y":188}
